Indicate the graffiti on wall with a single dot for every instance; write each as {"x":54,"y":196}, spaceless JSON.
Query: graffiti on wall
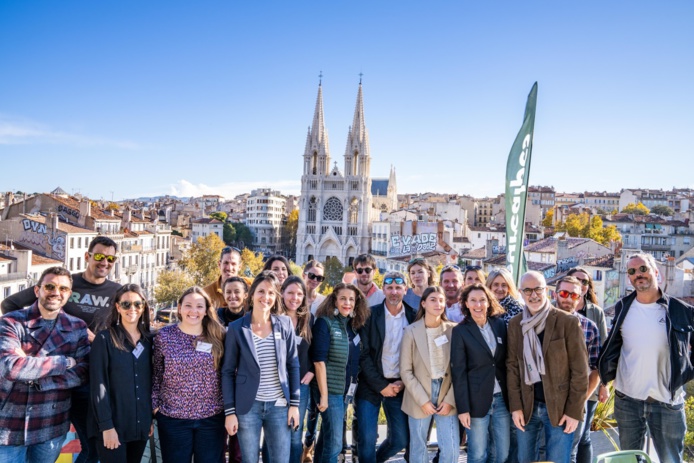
{"x":611,"y":288}
{"x":564,"y":265}
{"x":35,"y":235}
{"x":68,"y":211}
{"x":412,"y":244}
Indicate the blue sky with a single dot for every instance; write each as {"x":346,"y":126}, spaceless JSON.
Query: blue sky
{"x":125,"y":99}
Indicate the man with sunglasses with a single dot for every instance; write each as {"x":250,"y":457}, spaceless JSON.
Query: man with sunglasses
{"x":43,"y":355}
{"x":547,"y":379}
{"x":569,"y":295}
{"x":379,"y":378}
{"x":365,"y":267}
{"x":229,"y":265}
{"x":648,"y":354}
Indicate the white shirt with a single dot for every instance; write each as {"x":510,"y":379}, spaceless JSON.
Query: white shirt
{"x":454,"y":313}
{"x":644,"y":362}
{"x":488,"y":335}
{"x":390,"y":356}
{"x":316,"y":302}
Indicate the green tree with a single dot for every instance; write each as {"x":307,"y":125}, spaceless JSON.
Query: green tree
{"x":244,"y":235}
{"x":333,"y":272}
{"x":251,"y":262}
{"x":170,"y":286}
{"x":636,"y":209}
{"x":201,"y":261}
{"x":229,"y":233}
{"x":219,"y":215}
{"x":662,"y":210}
{"x":548,"y":221}
{"x":289,"y":233}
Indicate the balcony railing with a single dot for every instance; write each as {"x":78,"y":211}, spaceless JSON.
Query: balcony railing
{"x":13,"y":276}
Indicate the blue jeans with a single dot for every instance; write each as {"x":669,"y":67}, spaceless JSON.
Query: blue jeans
{"x":582,"y":450}
{"x":665,"y":422}
{"x":497,"y":421}
{"x":398,"y":434}
{"x":45,"y":452}
{"x":79,"y":410}
{"x":447,"y":434}
{"x":557,"y":442}
{"x":273,"y":421}
{"x":182,"y":439}
{"x":297,"y":446}
{"x":329,"y":444}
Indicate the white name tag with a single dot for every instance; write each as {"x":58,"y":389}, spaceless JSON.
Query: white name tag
{"x":204,"y":347}
{"x":441,"y":340}
{"x":356,"y":340}
{"x":281,"y":402}
{"x":498,"y":340}
{"x":137,"y":351}
{"x":352,"y":389}
{"x":278,"y":335}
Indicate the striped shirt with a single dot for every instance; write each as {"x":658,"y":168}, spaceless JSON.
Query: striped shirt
{"x":270,"y":388}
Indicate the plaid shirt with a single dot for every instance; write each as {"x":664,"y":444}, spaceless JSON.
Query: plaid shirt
{"x":35,"y":387}
{"x":592,"y":335}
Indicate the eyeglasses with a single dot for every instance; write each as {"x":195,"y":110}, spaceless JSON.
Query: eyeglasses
{"x":366,"y":270}
{"x":641,"y":268}
{"x":99,"y":257}
{"x":127,"y":304}
{"x":313,"y":276}
{"x":396,"y":280}
{"x":50,"y":287}
{"x":584,"y":282}
{"x":539,"y":290}
{"x":564,"y":294}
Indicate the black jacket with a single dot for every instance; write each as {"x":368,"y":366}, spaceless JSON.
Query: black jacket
{"x":679,"y":324}
{"x":474,"y":368}
{"x":372,"y":335}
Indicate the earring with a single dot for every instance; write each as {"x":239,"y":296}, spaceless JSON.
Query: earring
{"x":118,"y":320}
{"x":336,"y":311}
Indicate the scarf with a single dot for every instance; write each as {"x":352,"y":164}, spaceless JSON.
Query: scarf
{"x":532,"y":348}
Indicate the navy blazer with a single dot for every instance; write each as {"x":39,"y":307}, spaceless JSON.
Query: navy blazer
{"x":474,"y":368}
{"x":241,"y":369}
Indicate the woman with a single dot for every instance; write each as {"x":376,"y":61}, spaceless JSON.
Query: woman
{"x":473,"y":274}
{"x":335,"y":349}
{"x":478,"y":362}
{"x":280,"y":266}
{"x":260,"y":377}
{"x":235,"y":290}
{"x":121,"y":357}
{"x":186,"y":387}
{"x":421,"y":275}
{"x":313,"y":276}
{"x":426,"y":371}
{"x":500,"y":282}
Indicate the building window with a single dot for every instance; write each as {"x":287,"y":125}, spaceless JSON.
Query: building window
{"x":72,"y":267}
{"x":79,"y":263}
{"x":72,"y":243}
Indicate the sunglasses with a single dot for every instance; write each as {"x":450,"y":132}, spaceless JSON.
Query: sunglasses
{"x":396,"y":280}
{"x":564,"y":294}
{"x":127,"y":304}
{"x":313,"y":276}
{"x":366,"y":270}
{"x":99,"y":257}
{"x":641,"y":268}
{"x":450,"y":267}
{"x":583,"y":282}
{"x":50,"y":287}
{"x":473,"y":267}
{"x":228,"y":249}
{"x":528,"y":291}
{"x":417,"y":260}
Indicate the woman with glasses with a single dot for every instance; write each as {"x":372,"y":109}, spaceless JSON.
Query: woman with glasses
{"x":186,"y":385}
{"x":478,"y":365}
{"x":120,"y":372}
{"x":279,"y":266}
{"x":421,"y":275}
{"x":335,"y":352}
{"x":501,"y":284}
{"x":473,"y":274}
{"x":313,"y":277}
{"x":425,"y":369}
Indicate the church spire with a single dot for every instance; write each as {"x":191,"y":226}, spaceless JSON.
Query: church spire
{"x":357,"y":157}
{"x":317,"y":151}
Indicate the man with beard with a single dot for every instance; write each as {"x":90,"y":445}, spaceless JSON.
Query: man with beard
{"x":568,"y":298}
{"x":43,"y":354}
{"x":365,"y":267}
{"x":547,"y":377}
{"x":451,"y":282}
{"x":648,"y":354}
{"x":229,"y":265}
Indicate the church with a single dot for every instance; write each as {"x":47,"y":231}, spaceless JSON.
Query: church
{"x":337,"y":206}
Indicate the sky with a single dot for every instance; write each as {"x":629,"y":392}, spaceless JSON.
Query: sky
{"x":126,"y":99}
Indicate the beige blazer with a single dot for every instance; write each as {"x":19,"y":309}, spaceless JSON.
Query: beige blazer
{"x":415,"y":369}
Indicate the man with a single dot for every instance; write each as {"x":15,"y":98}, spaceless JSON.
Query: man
{"x":90,"y":302}
{"x":379,"y":379}
{"x":547,"y":371}
{"x":648,"y":354}
{"x":313,"y":277}
{"x":43,"y":354}
{"x":365,"y":266}
{"x":451,"y":282}
{"x":229,"y":264}
{"x":568,"y":297}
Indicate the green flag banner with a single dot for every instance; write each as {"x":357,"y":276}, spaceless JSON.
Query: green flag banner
{"x":517,"y":172}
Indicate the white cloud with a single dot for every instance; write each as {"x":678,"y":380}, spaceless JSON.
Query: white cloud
{"x":17,"y":131}
{"x":183,"y":188}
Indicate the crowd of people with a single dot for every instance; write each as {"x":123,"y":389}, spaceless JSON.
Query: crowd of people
{"x":252,"y":366}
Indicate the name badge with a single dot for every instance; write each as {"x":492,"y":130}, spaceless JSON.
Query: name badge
{"x":356,"y":340}
{"x":278,"y":335}
{"x":204,"y":347}
{"x":441,"y":340}
{"x":137,"y":351}
{"x":281,"y":402}
{"x":498,"y":340}
{"x":337,"y":334}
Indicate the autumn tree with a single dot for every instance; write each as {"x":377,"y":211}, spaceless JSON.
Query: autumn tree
{"x":201,"y":261}
{"x":289,"y":233}
{"x":636,"y":209}
{"x":662,"y":210}
{"x":548,"y":221}
{"x":219,"y":215}
{"x":584,"y":226}
{"x":251,"y":262}
{"x":170,"y":286}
